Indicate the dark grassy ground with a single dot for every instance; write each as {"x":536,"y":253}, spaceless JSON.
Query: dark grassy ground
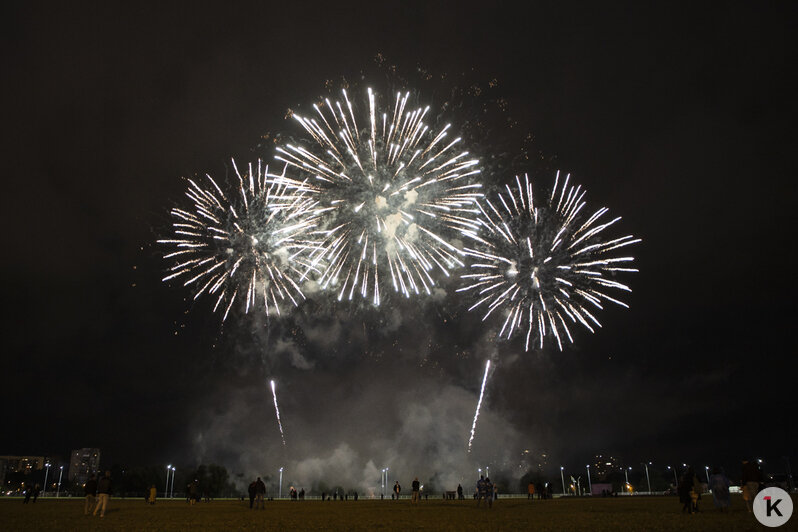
{"x":620,"y":514}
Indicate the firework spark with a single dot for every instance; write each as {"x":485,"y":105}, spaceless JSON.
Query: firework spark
{"x":246,"y":247}
{"x":479,"y":405}
{"x":390,"y":189}
{"x":544,"y":266}
{"x":277,"y":411}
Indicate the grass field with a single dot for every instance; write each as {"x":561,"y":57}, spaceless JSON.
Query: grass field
{"x":619,"y":514}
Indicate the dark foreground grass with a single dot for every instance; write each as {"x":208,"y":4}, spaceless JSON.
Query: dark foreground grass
{"x":620,"y":514}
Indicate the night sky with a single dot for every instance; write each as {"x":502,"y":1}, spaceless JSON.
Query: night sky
{"x":680,"y":120}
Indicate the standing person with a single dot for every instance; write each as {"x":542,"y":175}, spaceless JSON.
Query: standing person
{"x":28,"y":494}
{"x":153,"y":494}
{"x":89,"y":491}
{"x":488,"y":492}
{"x":415,"y":487}
{"x":530,"y":491}
{"x":260,"y":491}
{"x":686,"y":489}
{"x":752,"y":477}
{"x":103,"y":494}
{"x":397,"y":489}
{"x":481,"y":489}
{"x":695,"y":494}
{"x":193,"y":488}
{"x":251,"y":492}
{"x":719,"y":484}
{"x":460,"y":493}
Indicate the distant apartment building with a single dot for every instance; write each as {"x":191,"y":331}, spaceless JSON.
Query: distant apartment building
{"x":23,"y":464}
{"x":603,"y":464}
{"x":19,"y":464}
{"x":532,"y":460}
{"x":82,"y":463}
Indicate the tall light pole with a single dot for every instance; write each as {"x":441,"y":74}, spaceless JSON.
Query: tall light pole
{"x":626,"y":473}
{"x":280,"y":496}
{"x":706,"y":468}
{"x":47,"y":465}
{"x":386,"y":478}
{"x":589,"y":483}
{"x":382,"y":482}
{"x":562,"y":478}
{"x":487,"y":471}
{"x":61,"y":474}
{"x":166,"y":486}
{"x":172,"y":496}
{"x":648,"y":479}
{"x":479,"y":473}
{"x":675,"y":480}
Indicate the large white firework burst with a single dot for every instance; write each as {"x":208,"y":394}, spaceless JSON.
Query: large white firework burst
{"x":246,"y":247}
{"x":541,"y":267}
{"x":392,"y":192}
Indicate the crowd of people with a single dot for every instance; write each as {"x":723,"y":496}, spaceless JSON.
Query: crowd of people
{"x":689,"y":489}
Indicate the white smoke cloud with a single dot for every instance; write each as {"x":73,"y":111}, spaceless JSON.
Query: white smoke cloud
{"x":402,"y":420}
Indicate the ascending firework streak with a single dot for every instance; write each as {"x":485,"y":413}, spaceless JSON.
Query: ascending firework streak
{"x":479,"y":405}
{"x":390,"y":189}
{"x":245,"y":247}
{"x":544,"y":265}
{"x":277,"y":411}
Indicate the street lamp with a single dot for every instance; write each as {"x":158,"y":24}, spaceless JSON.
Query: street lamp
{"x":675,"y":480}
{"x":47,"y":465}
{"x":626,"y":473}
{"x":479,"y":473}
{"x":648,"y":479}
{"x":172,"y":496}
{"x":280,"y":496}
{"x":589,"y":483}
{"x":61,"y":474}
{"x":487,"y":472}
{"x":706,"y":468}
{"x":562,"y":478}
{"x":166,"y":486}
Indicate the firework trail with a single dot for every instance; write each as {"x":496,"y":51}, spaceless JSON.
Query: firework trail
{"x":277,"y":411}
{"x":390,"y":189}
{"x":479,"y":405}
{"x":543,"y":265}
{"x":244,"y":247}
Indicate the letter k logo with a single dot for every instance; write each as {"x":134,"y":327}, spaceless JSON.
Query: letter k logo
{"x":772,"y":506}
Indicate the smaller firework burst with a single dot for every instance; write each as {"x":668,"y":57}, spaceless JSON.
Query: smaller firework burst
{"x":245,"y":247}
{"x":543,"y":267}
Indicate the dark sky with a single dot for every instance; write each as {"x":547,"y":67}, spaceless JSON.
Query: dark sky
{"x":680,"y":118}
